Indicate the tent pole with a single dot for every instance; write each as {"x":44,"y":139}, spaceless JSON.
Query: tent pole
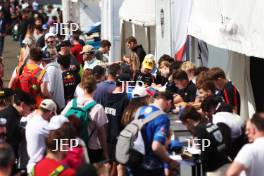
{"x":133,"y":30}
{"x":147,"y":33}
{"x":122,"y":38}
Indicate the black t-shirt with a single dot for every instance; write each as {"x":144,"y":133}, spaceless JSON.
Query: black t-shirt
{"x":170,"y":87}
{"x":146,"y":78}
{"x":12,"y":127}
{"x":215,"y":155}
{"x":189,"y":93}
{"x":231,"y":96}
{"x":139,"y":50}
{"x":70,"y":81}
{"x":160,"y":79}
{"x":114,"y":108}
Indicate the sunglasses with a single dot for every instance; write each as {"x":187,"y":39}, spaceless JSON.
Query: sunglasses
{"x":89,"y":53}
{"x":50,"y":41}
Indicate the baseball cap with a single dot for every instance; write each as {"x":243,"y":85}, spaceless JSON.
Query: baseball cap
{"x":148,"y":61}
{"x":49,"y":105}
{"x":56,"y":122}
{"x":46,"y":56}
{"x":65,"y":43}
{"x":88,"y":49}
{"x":45,"y":26}
{"x":139,"y":92}
{"x":6,"y":93}
{"x":27,"y":41}
{"x":151,"y":91}
{"x":48,"y":35}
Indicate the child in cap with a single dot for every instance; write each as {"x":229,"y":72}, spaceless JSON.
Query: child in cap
{"x":144,"y":74}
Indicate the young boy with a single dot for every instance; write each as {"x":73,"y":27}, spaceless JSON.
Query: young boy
{"x":144,"y":74}
{"x":226,"y":89}
{"x":206,"y":89}
{"x":186,"y":89}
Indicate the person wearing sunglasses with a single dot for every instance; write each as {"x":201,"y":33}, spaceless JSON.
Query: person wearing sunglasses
{"x":50,"y":40}
{"x":89,"y":58}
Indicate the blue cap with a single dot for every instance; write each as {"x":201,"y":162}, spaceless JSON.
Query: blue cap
{"x":45,"y":26}
{"x":46,"y":56}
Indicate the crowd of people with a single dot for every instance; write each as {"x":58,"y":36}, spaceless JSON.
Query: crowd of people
{"x":68,"y":111}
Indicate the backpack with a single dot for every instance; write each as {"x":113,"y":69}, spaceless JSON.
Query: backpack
{"x":130,"y":148}
{"x":58,"y":170}
{"x":84,"y":116}
{"x":28,"y":79}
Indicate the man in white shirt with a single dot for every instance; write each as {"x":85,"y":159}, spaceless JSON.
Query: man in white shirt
{"x":250,"y":158}
{"x":36,"y":131}
{"x":54,"y":73}
{"x":89,"y":58}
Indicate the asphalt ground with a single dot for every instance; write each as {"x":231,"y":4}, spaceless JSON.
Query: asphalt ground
{"x":11,"y":51}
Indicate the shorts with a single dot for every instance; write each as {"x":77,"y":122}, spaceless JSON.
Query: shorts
{"x":95,"y":156}
{"x":112,"y":151}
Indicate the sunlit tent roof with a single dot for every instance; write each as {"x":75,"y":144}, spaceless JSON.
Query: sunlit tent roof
{"x":140,"y":12}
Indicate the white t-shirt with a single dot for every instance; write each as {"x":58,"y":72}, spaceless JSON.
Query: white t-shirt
{"x":79,"y":92}
{"x":232,"y":120}
{"x":35,"y":137}
{"x":91,"y":64}
{"x":98,"y":117}
{"x":252,"y":157}
{"x":55,"y":85}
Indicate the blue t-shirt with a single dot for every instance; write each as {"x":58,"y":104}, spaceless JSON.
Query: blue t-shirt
{"x":156,"y":130}
{"x":102,"y":89}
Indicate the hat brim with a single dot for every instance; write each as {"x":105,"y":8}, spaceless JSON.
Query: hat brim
{"x":148,"y":67}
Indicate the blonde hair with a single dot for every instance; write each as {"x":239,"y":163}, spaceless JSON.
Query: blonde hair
{"x":188,"y":66}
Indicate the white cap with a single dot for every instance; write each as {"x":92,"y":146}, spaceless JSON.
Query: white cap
{"x":139,"y":91}
{"x":150,"y":56}
{"x":49,"y":105}
{"x":49,"y":34}
{"x":56,"y":122}
{"x":27,"y":41}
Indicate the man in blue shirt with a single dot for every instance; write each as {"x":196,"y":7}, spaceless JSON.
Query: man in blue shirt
{"x":107,"y":86}
{"x":155,"y":133}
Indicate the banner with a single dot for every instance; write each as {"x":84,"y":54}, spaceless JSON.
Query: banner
{"x":236,"y":25}
{"x":181,"y":11}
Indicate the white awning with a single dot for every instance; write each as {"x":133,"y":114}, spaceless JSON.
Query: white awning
{"x":234,"y":25}
{"x":140,"y":12}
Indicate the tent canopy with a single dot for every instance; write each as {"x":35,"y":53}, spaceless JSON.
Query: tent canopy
{"x":138,"y":12}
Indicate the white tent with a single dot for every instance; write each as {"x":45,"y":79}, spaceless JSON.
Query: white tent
{"x":110,"y":28}
{"x":137,"y":18}
{"x":138,"y":12}
{"x":238,"y":29}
